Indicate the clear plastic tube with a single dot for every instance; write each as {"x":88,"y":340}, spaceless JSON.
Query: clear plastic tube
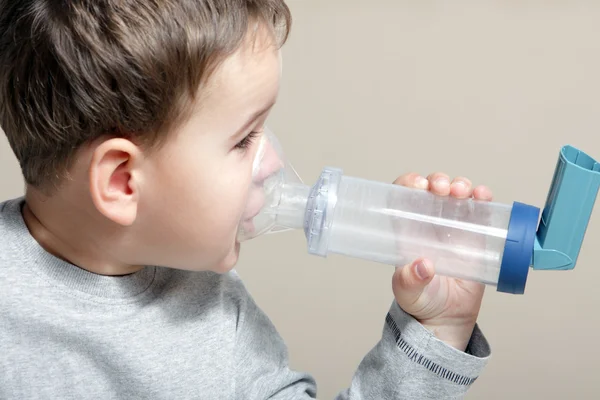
{"x":395,"y":225}
{"x":375,"y":221}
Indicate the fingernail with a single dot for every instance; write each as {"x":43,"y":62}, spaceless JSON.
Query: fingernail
{"x":421,"y":270}
{"x":422,"y":183}
{"x":461,"y":184}
{"x":442,"y":183}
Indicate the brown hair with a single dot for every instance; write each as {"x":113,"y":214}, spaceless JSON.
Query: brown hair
{"x":72,"y":71}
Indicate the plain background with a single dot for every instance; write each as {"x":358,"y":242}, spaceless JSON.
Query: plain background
{"x":488,"y":89}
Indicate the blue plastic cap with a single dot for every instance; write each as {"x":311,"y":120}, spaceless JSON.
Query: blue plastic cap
{"x":520,"y":239}
{"x":567,"y":211}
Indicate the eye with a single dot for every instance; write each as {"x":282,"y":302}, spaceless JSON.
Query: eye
{"x":246,"y":142}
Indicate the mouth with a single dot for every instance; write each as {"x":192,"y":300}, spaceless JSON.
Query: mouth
{"x":248,"y":227}
{"x":247,"y":222}
{"x":255,"y":205}
{"x":255,"y":213}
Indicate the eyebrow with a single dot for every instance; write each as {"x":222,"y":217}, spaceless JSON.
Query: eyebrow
{"x":253,"y":117}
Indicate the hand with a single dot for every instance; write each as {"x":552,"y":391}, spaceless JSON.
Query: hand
{"x":446,"y":306}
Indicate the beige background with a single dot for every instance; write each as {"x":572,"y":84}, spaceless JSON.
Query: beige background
{"x":488,"y":89}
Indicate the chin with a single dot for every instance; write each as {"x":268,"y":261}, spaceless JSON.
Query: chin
{"x":229,"y":261}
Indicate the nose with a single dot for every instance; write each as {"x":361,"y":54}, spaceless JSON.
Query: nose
{"x":271,"y":163}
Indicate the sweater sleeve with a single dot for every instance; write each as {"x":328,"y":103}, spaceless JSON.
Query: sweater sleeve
{"x":408,"y":362}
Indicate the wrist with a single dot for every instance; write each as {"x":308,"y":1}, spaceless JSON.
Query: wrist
{"x":456,"y":334}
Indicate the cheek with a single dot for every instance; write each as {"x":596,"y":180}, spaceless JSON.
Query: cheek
{"x":219,"y":204}
{"x":200,"y":224}
{"x":226,"y":205}
{"x":206,"y":185}
{"x":194,"y":207}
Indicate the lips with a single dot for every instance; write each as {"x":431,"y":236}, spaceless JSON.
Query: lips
{"x":248,"y":226}
{"x":256,"y":202}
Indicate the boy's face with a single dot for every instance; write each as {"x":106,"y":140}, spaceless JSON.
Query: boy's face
{"x":197,"y":189}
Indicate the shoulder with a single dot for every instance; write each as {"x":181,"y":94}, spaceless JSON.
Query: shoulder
{"x":205,"y":287}
{"x":218,"y":299}
{"x":10,"y":224}
{"x":10,"y":211}
{"x":235,"y":290}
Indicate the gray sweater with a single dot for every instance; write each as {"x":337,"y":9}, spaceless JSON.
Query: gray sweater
{"x":66,"y":333}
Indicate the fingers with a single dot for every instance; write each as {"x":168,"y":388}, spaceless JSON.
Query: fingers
{"x":461,"y":188}
{"x":482,"y":193}
{"x":413,"y":180}
{"x":410,"y":281}
{"x":439,"y":184}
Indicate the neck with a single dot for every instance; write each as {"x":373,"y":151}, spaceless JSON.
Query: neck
{"x":74,"y":232}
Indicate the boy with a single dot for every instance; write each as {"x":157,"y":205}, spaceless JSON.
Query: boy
{"x":136,"y":124}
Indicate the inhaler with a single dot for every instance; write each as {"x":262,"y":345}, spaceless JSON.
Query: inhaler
{"x":488,"y":242}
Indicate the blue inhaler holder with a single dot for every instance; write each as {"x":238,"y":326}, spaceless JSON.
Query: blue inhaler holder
{"x":555,"y":243}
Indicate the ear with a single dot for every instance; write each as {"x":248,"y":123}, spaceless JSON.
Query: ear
{"x":115,"y":180}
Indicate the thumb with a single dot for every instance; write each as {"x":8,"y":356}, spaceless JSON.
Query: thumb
{"x":409,"y":283}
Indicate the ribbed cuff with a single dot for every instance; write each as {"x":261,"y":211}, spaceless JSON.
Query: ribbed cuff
{"x":423,"y":348}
